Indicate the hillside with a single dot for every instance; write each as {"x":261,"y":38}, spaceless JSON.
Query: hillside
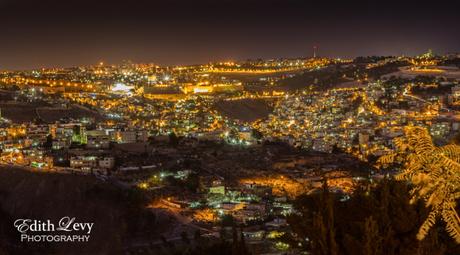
{"x":118,"y":215}
{"x":246,"y":110}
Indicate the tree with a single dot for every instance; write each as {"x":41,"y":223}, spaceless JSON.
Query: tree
{"x":243,"y":249}
{"x":193,"y":182}
{"x":371,"y":237}
{"x":173,"y":139}
{"x":227,"y":220}
{"x":235,"y":244}
{"x":15,"y":88}
{"x":256,"y":134}
{"x":434,"y":172}
{"x":376,"y":219}
{"x":323,"y":221}
{"x":48,"y":144}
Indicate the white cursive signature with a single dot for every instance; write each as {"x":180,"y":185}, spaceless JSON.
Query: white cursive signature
{"x":65,"y":223}
{"x":22,"y":224}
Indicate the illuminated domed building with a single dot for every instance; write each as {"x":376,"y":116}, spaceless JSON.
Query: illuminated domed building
{"x":424,"y":61}
{"x":123,"y":89}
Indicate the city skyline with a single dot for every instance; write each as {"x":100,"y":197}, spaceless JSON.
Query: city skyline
{"x":54,"y":34}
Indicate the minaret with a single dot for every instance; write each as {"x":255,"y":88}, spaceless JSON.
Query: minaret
{"x":314,"y":51}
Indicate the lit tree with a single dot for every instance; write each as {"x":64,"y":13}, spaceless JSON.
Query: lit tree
{"x":434,"y":172}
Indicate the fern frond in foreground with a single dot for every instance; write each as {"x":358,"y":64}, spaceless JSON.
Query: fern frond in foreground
{"x":434,"y":172}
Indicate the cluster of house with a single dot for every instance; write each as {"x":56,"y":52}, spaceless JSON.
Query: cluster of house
{"x":63,"y":144}
{"x":246,"y":202}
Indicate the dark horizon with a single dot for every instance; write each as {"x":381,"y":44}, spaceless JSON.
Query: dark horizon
{"x":53,"y":33}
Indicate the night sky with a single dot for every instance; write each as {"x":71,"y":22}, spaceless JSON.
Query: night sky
{"x":52,"y":33}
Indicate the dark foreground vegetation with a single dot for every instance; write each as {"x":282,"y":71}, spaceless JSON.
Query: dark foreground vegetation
{"x":377,"y":219}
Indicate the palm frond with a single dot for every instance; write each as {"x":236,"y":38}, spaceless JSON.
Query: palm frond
{"x":435,"y":174}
